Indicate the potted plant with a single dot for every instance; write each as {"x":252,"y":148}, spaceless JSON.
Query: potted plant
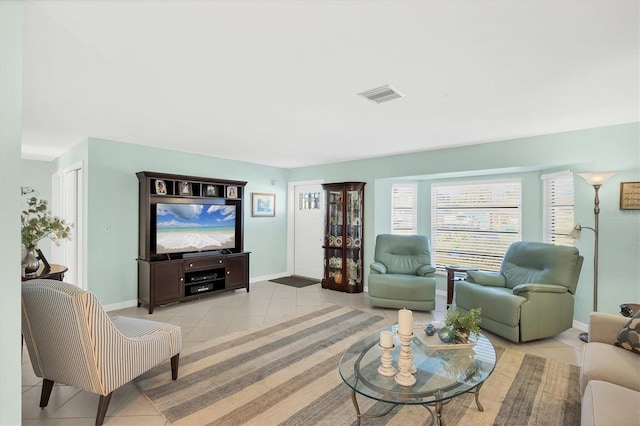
{"x":463,"y":325}
{"x":38,"y":223}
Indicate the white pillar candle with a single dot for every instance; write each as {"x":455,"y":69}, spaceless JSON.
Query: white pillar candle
{"x":405,"y":322}
{"x":386,"y":339}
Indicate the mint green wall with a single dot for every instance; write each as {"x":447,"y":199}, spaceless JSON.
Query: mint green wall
{"x":112,"y":201}
{"x":614,"y":148}
{"x":37,"y":175}
{"x":112,"y":215}
{"x":11,"y":20}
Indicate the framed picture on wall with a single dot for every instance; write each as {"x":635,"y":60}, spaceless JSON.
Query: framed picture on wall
{"x":629,"y":195}
{"x":263,"y":205}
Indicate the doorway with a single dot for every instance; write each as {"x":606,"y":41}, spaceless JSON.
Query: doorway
{"x":306,"y":207}
{"x":67,"y":202}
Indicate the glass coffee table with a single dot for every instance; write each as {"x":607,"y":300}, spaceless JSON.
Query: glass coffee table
{"x":442,"y":374}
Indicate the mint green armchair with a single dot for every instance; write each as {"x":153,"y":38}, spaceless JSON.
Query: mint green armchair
{"x":531,"y":297}
{"x":402,"y":275}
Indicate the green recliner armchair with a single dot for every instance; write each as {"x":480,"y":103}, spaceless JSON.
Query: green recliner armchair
{"x":531,"y":297}
{"x":402,"y":275}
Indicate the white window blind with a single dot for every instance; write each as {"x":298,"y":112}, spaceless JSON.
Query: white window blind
{"x":473,"y":223}
{"x":404,"y":208}
{"x":557,"y":220}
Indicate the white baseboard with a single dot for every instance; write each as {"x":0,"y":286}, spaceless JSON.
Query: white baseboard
{"x":121,"y":305}
{"x":580,"y":325}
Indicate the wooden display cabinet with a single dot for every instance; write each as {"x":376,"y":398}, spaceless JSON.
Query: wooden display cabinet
{"x":171,"y":277}
{"x":344,"y":236}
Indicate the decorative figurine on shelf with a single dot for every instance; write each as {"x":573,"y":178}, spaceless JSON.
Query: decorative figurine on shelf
{"x":38,"y":223}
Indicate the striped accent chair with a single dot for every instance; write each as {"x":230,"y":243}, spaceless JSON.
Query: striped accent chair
{"x":72,"y":340}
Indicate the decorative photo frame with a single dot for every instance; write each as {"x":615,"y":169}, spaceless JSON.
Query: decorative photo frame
{"x":211,"y":191}
{"x":185,"y":188}
{"x":263,"y":205}
{"x":161,"y":187}
{"x":629,"y":195}
{"x":232,"y":192}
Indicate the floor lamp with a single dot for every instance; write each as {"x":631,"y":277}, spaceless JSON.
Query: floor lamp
{"x":596,"y":179}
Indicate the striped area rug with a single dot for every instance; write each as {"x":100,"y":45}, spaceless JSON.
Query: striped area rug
{"x":286,"y":373}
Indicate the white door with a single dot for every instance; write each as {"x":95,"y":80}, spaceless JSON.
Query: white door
{"x":67,"y":202}
{"x":308,"y":231}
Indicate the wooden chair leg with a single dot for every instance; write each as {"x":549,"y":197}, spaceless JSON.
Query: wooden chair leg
{"x":102,"y":408}
{"x":175,"y":360}
{"x":47,"y":387}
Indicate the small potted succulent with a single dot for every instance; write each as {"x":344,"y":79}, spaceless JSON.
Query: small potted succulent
{"x":463,"y":325}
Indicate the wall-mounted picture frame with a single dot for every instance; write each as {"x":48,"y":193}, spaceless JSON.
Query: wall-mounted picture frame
{"x":263,"y":205}
{"x":161,"y":187}
{"x":629,"y":195}
{"x":211,"y":191}
{"x":232,"y":192}
{"x":185,"y":188}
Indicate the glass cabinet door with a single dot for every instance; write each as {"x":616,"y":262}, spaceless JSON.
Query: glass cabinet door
{"x":334,"y":236}
{"x":344,"y":235}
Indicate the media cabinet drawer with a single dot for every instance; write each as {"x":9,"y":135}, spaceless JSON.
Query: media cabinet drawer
{"x":193,"y":264}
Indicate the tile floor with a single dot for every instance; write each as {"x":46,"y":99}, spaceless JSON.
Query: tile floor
{"x":215,"y":316}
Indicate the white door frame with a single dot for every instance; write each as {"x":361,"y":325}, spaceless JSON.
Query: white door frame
{"x":291,"y":214}
{"x":59,"y":204}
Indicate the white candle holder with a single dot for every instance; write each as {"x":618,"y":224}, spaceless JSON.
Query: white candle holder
{"x":405,"y":362}
{"x":386,"y":369}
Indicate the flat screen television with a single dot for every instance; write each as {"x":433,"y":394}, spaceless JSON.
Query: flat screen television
{"x":186,"y":228}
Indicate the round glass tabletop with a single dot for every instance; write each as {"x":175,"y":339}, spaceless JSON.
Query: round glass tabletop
{"x":442,"y":372}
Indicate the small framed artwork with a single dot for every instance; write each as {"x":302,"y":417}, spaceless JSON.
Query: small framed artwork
{"x":161,"y":187}
{"x":185,"y":188}
{"x":629,"y":195}
{"x":232,"y":192}
{"x":263,"y":205}
{"x":212,"y":191}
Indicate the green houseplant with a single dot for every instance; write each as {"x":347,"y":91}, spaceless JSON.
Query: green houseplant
{"x":463,"y":325}
{"x":38,"y":223}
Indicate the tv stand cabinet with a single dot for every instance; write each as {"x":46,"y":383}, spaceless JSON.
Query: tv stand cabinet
{"x":170,"y":281}
{"x":165,"y":278}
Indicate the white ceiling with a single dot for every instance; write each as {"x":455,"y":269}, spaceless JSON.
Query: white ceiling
{"x":276,"y":82}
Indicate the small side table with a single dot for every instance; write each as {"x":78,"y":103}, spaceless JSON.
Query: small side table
{"x":451,"y":270}
{"x":54,"y":272}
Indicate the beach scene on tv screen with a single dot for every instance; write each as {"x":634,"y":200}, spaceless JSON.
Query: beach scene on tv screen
{"x":194,"y":227}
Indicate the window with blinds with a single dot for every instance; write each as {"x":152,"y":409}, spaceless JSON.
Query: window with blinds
{"x":473,"y":223}
{"x":557,"y":215}
{"x":404,"y":208}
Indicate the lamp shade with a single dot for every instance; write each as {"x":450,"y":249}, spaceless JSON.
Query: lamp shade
{"x":596,"y":178}
{"x":576,"y":232}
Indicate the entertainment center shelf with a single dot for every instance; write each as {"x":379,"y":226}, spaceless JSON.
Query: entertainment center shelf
{"x":191,"y":241}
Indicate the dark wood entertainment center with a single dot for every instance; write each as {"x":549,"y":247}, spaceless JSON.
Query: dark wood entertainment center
{"x":174,"y":277}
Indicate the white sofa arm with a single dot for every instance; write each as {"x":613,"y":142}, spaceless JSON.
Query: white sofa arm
{"x":604,"y":328}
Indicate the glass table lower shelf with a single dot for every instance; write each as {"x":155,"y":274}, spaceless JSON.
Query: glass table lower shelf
{"x":441,"y":374}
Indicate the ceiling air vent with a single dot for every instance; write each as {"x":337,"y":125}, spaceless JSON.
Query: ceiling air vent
{"x":381,"y":94}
